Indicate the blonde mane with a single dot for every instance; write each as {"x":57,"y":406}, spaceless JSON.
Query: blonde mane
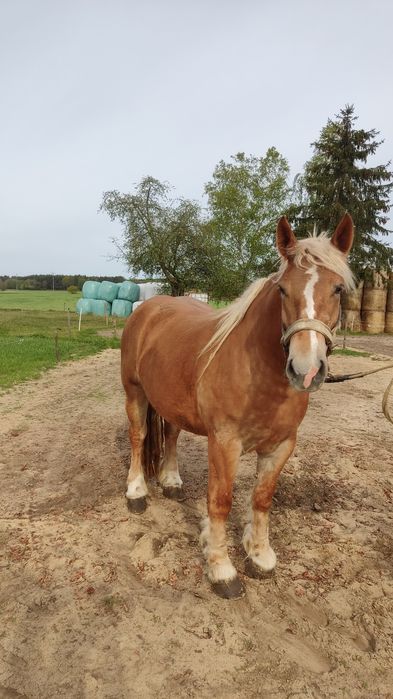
{"x":315,"y":250}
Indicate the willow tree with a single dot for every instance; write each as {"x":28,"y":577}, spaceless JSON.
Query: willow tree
{"x":161,"y":236}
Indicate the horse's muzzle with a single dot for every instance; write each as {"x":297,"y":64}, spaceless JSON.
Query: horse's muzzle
{"x":309,"y":382}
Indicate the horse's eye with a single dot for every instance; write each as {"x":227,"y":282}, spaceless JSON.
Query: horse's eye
{"x":282,"y":290}
{"x":339,"y":288}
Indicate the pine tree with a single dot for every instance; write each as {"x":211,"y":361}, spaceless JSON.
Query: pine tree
{"x":337,"y":179}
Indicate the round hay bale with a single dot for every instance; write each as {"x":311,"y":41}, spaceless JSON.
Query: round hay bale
{"x":108,"y":291}
{"x":84,"y":305}
{"x":136,"y":305}
{"x":351,"y":320}
{"x":373,"y":322}
{"x":352,"y":300}
{"x":90,"y":290}
{"x":129,"y":291}
{"x":101,"y":307}
{"x":389,"y":322}
{"x":374,"y":299}
{"x":121,"y":308}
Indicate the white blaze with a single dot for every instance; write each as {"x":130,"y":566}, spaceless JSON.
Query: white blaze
{"x":310,"y":310}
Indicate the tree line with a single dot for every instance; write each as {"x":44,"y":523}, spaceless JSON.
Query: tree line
{"x":57,"y":282}
{"x":222,"y":247}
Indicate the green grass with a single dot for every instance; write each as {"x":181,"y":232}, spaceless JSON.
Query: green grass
{"x":349,"y":352}
{"x":38,"y":300}
{"x":28,"y":341}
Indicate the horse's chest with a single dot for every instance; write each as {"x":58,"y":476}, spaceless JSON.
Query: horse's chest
{"x":271,"y":422}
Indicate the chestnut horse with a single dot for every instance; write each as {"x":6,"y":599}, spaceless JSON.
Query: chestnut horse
{"x":242,"y":376}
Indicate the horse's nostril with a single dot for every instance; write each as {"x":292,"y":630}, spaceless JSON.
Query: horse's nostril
{"x":290,"y":370}
{"x":322,"y":368}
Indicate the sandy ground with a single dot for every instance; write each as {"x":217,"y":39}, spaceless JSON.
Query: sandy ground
{"x":101,"y":604}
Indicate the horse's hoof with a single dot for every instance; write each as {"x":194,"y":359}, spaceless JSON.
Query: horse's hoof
{"x":253,"y":571}
{"x":137,"y":505}
{"x":174,"y":493}
{"x":229,"y":589}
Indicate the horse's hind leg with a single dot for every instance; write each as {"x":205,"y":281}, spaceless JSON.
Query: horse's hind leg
{"x":169,"y":476}
{"x":224,"y":455}
{"x":261,"y":557}
{"x":136,"y":407}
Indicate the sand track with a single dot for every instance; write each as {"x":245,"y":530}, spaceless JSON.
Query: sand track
{"x":97,"y":603}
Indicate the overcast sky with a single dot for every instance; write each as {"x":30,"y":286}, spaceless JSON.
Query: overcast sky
{"x":97,"y":94}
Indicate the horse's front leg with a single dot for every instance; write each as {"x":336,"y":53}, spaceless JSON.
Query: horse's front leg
{"x":261,"y":557}
{"x":223,"y":460}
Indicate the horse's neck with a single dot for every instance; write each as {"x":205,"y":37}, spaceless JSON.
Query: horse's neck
{"x":261,"y":331}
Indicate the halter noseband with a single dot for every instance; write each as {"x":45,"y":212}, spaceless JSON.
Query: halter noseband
{"x":307,"y":324}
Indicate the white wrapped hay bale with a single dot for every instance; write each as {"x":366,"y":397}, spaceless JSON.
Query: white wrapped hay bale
{"x":136,"y":305}
{"x":148,"y":290}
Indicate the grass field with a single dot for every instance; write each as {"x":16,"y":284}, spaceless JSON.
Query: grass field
{"x":32,"y":341}
{"x":39,"y":300}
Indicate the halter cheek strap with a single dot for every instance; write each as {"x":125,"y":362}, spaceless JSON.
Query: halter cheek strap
{"x":308,"y":324}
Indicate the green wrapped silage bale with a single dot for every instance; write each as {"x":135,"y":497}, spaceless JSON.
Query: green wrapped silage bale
{"x":107,"y":292}
{"x":129,"y":291}
{"x":90,"y":290}
{"x":101,"y":307}
{"x":84,"y":306}
{"x":121,"y":308}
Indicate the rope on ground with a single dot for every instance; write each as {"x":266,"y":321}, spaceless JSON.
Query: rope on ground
{"x":338,"y":378}
{"x":385,"y":406}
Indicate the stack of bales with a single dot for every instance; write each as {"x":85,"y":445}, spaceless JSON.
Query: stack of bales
{"x":108,"y":298}
{"x":374,"y":304}
{"x":351,"y":303}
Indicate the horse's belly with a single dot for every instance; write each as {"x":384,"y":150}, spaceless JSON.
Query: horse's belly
{"x":172,"y":393}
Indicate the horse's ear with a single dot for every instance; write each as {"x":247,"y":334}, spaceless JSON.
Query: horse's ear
{"x":285,"y":238}
{"x":342,"y":237}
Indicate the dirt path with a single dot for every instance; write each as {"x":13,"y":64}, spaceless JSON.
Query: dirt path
{"x":99,"y":604}
{"x":376,"y":344}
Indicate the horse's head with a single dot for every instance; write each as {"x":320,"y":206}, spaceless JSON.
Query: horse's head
{"x":313,"y":274}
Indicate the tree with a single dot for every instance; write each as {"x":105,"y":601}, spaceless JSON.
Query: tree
{"x":337,"y":179}
{"x":161,"y":236}
{"x":246,"y":197}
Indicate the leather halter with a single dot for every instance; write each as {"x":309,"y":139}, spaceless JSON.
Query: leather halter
{"x":307,"y":324}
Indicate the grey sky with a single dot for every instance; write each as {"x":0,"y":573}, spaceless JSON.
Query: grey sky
{"x":95,"y":95}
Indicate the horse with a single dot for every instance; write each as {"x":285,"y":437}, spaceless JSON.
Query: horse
{"x":242,"y":377}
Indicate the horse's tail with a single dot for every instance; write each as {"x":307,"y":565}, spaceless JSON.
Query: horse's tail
{"x":153,"y":445}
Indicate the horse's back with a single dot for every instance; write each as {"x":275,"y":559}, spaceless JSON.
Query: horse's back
{"x":152,"y":319}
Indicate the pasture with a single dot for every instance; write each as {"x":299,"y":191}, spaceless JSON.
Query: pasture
{"x":37,"y":332}
{"x":102,"y":604}
{"x":38,"y":300}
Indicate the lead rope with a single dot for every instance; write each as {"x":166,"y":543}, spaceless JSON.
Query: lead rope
{"x":338,"y":378}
